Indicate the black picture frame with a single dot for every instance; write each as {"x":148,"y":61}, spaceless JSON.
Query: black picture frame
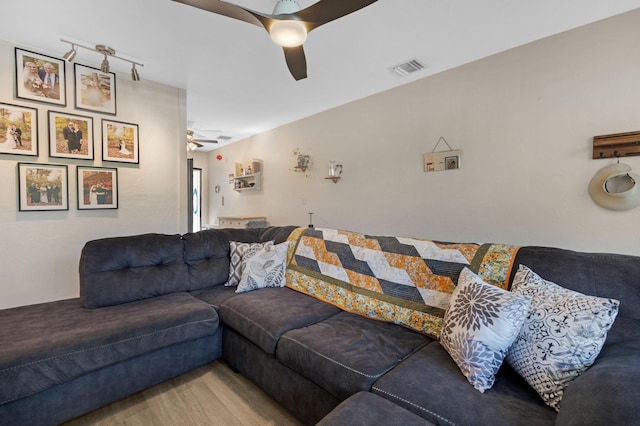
{"x":120,"y":142}
{"x":97,"y":188}
{"x":43,"y":187}
{"x":31,"y":78}
{"x":94,"y":90}
{"x":23,"y":139}
{"x":60,"y":145}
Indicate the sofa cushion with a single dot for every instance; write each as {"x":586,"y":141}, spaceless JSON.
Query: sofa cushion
{"x":262,"y":316}
{"x":48,"y":344}
{"x":265,"y":268}
{"x":365,"y":408}
{"x":561,"y":337}
{"x":479,"y":327}
{"x":206,"y":254}
{"x":125,"y":269}
{"x":346,"y":353}
{"x":429,"y":384}
{"x":215,"y":295}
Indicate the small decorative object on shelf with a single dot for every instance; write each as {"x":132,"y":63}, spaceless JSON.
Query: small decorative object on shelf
{"x":302,"y":161}
{"x":310,"y":220}
{"x":247,"y":177}
{"x":335,"y":170}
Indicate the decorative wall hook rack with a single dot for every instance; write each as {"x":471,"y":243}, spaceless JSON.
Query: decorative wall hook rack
{"x":616,"y":145}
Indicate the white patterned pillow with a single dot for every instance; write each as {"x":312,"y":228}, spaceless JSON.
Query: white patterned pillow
{"x":238,"y":251}
{"x":562,"y":336}
{"x":266,"y":268}
{"x":482,"y":321}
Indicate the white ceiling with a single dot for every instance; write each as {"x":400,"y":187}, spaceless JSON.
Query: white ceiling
{"x":235,"y":77}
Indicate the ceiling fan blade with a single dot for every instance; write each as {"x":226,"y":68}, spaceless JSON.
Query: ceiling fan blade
{"x":328,"y":10}
{"x":296,"y":61}
{"x":231,"y":10}
{"x":206,"y":140}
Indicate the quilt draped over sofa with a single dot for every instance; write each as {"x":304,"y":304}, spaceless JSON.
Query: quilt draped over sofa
{"x":405,"y":281}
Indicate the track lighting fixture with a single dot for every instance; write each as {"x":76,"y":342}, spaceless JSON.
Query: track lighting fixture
{"x":107,"y":53}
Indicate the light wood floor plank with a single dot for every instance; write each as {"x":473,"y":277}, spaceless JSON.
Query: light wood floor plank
{"x":211,"y":395}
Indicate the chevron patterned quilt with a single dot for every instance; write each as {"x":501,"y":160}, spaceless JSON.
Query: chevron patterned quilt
{"x":401,"y":280}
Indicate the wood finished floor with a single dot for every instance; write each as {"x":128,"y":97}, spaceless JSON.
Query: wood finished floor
{"x":210,"y":395}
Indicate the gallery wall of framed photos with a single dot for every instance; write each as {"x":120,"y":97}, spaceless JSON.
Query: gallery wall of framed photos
{"x":72,"y":116}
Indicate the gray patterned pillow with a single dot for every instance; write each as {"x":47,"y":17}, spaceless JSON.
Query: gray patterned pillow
{"x":266,"y":268}
{"x":238,"y":251}
{"x":562,"y":336}
{"x":480,"y":324}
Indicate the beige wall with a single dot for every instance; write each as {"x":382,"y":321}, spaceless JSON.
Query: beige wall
{"x":524,"y":120}
{"x":39,"y":251}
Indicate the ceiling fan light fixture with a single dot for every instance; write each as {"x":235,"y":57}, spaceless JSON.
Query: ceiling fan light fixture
{"x":288,"y":33}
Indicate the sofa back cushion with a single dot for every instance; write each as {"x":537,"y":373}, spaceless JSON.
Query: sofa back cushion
{"x":206,"y":254}
{"x":613,"y":276}
{"x":125,"y":269}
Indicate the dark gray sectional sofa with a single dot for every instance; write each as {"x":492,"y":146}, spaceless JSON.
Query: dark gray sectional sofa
{"x":155,"y":306}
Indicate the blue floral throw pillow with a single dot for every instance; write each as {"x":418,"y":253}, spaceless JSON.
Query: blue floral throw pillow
{"x":480,"y":325}
{"x":562,"y":335}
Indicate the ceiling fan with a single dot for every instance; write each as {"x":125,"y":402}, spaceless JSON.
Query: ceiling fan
{"x":193,"y":143}
{"x":288,"y":25}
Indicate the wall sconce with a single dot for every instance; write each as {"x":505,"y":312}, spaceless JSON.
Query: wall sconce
{"x":106,"y":51}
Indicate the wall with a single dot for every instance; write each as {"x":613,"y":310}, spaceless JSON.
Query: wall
{"x":524,"y":120}
{"x":40,"y":250}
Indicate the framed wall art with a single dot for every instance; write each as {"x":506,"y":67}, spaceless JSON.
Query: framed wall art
{"x":120,"y":142}
{"x":18,"y":130}
{"x":42,"y":187}
{"x":40,"y":78}
{"x":95,"y":90}
{"x":97,"y":188}
{"x":70,"y":136}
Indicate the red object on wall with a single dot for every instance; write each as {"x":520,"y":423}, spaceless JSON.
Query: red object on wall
{"x":219,"y":157}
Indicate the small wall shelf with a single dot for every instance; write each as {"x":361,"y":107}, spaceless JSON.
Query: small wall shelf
{"x":243,"y":181}
{"x":333,"y":178}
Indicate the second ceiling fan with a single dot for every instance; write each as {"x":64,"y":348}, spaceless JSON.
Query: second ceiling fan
{"x":288,"y":25}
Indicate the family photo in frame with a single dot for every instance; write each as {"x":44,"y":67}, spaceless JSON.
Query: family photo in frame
{"x":42,"y":187}
{"x":70,"y":136}
{"x":120,"y":142}
{"x":40,"y":77}
{"x":97,"y":188}
{"x":18,"y":130}
{"x":95,"y":90}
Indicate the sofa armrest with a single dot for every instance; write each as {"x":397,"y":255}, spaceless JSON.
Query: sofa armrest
{"x":608,"y":392}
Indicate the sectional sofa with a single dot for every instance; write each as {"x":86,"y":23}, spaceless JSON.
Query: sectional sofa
{"x":155,"y":306}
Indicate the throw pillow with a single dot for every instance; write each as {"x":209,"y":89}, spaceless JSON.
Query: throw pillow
{"x":266,"y":268}
{"x":238,"y":251}
{"x":561,"y":337}
{"x":480,"y":325}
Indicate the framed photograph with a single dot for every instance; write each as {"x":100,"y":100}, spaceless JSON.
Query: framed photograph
{"x":40,"y":78}
{"x":42,"y":187}
{"x":451,"y":163}
{"x":97,"y":188}
{"x":18,"y":130}
{"x":70,"y":136}
{"x":120,"y":142}
{"x":95,"y":90}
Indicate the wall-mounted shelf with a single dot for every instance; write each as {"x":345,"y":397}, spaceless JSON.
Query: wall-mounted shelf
{"x":243,"y":181}
{"x":616,"y":145}
{"x":335,"y":179}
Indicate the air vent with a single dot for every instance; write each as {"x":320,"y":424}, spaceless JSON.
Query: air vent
{"x":224,"y":138}
{"x":408,"y":67}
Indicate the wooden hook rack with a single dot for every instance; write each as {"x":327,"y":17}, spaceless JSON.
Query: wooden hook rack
{"x":616,"y":145}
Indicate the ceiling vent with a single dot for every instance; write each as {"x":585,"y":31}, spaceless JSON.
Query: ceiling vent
{"x":408,"y":67}
{"x":224,"y":138}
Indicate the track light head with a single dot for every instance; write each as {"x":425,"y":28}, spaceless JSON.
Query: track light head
{"x":134,"y":73}
{"x":104,"y":67}
{"x":71,"y":54}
